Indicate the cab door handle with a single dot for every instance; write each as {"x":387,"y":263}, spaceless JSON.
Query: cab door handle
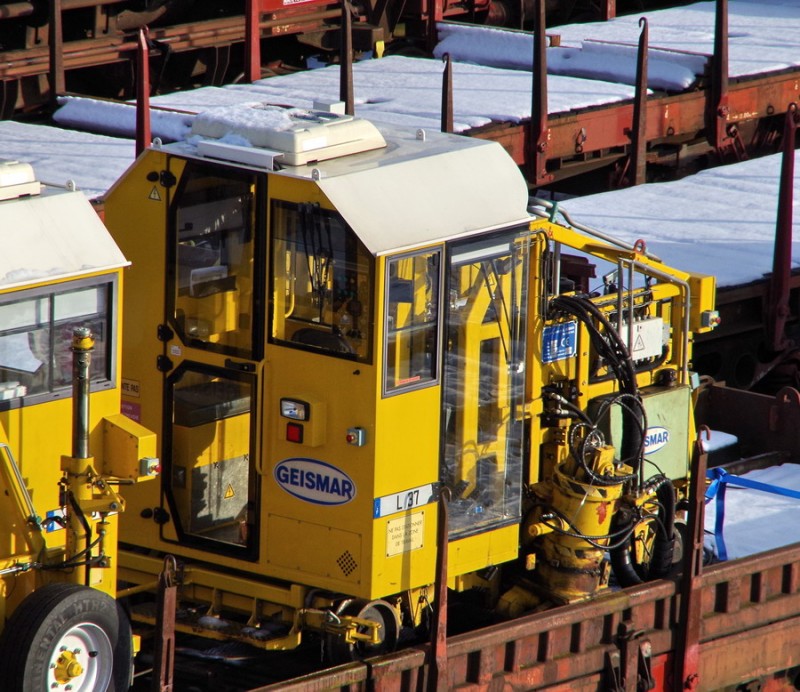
{"x":241,"y":366}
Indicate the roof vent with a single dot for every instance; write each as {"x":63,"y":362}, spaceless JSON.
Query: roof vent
{"x":17,"y":179}
{"x":302,"y":136}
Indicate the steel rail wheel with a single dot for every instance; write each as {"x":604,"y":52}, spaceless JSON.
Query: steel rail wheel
{"x":67,"y":637}
{"x":338,"y":651}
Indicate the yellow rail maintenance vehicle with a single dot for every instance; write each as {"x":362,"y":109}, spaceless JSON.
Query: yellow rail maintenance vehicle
{"x":60,"y":292}
{"x":328,"y":324}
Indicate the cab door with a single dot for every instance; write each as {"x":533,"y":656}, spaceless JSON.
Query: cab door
{"x":212,"y":361}
{"x":483,"y":381}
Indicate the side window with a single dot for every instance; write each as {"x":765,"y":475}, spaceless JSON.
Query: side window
{"x":214,"y":240}
{"x":321,"y":278}
{"x":36,"y":338}
{"x":412,"y":321}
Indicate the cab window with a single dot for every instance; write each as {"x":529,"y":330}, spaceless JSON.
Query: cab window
{"x":36,"y":338}
{"x":214,"y":259}
{"x":321,"y":278}
{"x":412,"y":321}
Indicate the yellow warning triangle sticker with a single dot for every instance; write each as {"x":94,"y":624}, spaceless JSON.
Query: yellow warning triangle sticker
{"x":154,"y":194}
{"x":229,"y":493}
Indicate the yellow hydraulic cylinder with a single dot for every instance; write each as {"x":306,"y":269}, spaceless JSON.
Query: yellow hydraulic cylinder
{"x":572,"y":563}
{"x":86,"y":492}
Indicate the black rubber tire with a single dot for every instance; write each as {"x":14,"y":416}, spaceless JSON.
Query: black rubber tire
{"x":35,"y":629}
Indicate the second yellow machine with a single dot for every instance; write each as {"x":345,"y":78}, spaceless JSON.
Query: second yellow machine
{"x":328,"y":324}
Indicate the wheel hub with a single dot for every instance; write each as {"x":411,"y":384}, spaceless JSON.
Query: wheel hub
{"x":82,"y":660}
{"x":68,"y":667}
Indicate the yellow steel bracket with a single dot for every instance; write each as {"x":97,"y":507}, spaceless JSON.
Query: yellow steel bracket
{"x":92,"y":492}
{"x":702,"y":287}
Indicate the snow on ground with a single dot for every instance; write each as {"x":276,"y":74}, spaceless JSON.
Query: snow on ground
{"x":755,"y":520}
{"x":678,"y":38}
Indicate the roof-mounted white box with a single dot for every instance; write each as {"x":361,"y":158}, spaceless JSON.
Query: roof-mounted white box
{"x":17,"y":179}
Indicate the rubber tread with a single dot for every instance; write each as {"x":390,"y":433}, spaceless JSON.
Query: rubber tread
{"x":30,"y":618}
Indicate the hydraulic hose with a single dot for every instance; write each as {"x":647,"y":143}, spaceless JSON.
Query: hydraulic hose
{"x":626,"y":570}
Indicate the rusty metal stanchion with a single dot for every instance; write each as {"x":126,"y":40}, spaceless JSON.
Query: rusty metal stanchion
{"x":346,"y":60}
{"x":778,"y":311}
{"x":447,"y":94}
{"x":437,"y":680}
{"x":539,"y":132}
{"x":687,"y":659}
{"x":718,"y":104}
{"x":608,"y":10}
{"x":143,"y":131}
{"x":639,"y":129}
{"x":164,"y":654}
{"x":56,"y":39}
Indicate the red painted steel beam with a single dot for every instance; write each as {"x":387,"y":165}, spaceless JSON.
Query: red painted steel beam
{"x":669,"y":118}
{"x":31,"y":62}
{"x":252,"y":41}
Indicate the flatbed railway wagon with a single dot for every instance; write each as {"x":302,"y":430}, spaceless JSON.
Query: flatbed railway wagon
{"x":335,"y":326}
{"x":66,"y":451}
{"x":327,"y":366}
{"x":89,"y":46}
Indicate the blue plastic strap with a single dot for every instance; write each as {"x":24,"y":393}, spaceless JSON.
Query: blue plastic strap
{"x":716,"y":489}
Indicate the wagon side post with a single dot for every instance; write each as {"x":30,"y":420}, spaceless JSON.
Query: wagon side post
{"x":346,"y":60}
{"x":778,"y":309}
{"x":718,"y":104}
{"x":539,"y":132}
{"x":687,"y":658}
{"x":252,"y":42}
{"x":639,"y":128}
{"x":143,"y":131}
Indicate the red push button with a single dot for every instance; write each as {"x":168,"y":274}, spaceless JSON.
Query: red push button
{"x":294,"y":432}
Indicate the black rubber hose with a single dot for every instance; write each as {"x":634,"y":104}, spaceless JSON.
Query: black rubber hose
{"x":629,"y":573}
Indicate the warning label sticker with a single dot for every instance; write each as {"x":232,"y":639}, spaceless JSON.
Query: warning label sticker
{"x":405,"y":534}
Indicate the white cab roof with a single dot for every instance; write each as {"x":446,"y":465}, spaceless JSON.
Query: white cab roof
{"x":53,"y":235}
{"x":424,"y":191}
{"x":422,"y":187}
